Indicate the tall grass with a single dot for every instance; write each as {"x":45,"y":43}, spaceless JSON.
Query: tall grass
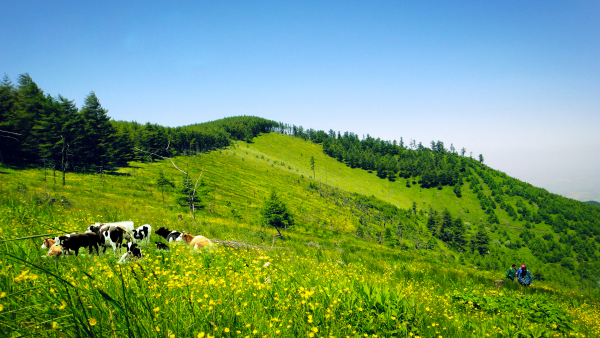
{"x":345,"y":287}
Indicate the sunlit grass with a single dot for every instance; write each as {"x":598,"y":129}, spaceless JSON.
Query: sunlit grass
{"x":347,"y":287}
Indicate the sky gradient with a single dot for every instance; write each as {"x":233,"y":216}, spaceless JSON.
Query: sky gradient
{"x":518,"y":82}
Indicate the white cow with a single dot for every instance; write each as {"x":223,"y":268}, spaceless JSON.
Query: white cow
{"x":128,"y":226}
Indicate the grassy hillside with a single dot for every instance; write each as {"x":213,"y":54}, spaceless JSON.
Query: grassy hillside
{"x":323,"y":278}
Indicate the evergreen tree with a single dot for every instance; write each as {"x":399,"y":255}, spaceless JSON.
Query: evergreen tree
{"x":7,"y":101}
{"x":95,"y":142}
{"x":446,"y":230}
{"x":162,"y":182}
{"x":312,"y":165}
{"x":481,"y":241}
{"x":275,"y":213}
{"x":459,"y":241}
{"x":432,"y":222}
{"x":27,"y":114}
{"x":457,"y":190}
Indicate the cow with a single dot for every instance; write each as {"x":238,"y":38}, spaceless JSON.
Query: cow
{"x":111,"y":236}
{"x":142,"y":233}
{"x":127,"y":226}
{"x":161,"y":246}
{"x":168,"y":234}
{"x":197,"y":242}
{"x":55,"y":249}
{"x":132,"y":251}
{"x":76,"y":241}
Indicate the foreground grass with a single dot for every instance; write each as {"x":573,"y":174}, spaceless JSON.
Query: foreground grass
{"x":228,"y":292}
{"x":345,"y":287}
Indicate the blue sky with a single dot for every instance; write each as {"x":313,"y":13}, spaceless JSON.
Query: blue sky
{"x":518,"y":82}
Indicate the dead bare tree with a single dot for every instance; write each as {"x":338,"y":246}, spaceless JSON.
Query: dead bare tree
{"x":192,"y":194}
{"x":8,"y":136}
{"x":65,"y":157}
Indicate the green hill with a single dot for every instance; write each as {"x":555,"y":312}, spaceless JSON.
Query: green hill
{"x":389,"y":239}
{"x":235,"y":182}
{"x":593,"y":203}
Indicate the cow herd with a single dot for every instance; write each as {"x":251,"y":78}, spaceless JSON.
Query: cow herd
{"x":112,"y":235}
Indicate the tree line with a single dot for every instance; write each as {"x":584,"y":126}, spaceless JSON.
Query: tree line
{"x":37,"y":128}
{"x":576,"y":225}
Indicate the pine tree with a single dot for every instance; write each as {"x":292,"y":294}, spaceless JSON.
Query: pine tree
{"x":275,"y":213}
{"x":312,"y":165}
{"x":432,"y":222}
{"x":459,"y":241}
{"x":446,"y":230}
{"x":162,"y":182}
{"x":481,"y":241}
{"x":95,"y":143}
{"x":457,"y":190}
{"x":28,"y":112}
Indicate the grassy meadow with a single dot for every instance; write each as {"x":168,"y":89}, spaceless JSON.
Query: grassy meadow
{"x":339,"y":285}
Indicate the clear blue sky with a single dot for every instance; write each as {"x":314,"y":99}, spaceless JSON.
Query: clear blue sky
{"x":518,"y":81}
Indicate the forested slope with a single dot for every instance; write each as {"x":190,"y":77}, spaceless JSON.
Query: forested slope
{"x":465,"y":207}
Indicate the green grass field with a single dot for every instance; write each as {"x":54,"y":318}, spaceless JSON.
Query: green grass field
{"x":347,"y":286}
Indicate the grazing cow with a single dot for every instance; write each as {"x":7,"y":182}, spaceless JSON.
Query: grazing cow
{"x":142,"y":233}
{"x":76,"y":241}
{"x":168,"y":234}
{"x":132,"y":251}
{"x":197,"y":242}
{"x":161,"y":246}
{"x":127,"y":226}
{"x":55,"y":249}
{"x":111,"y":236}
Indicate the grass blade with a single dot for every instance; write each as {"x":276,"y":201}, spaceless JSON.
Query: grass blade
{"x":111,"y":301}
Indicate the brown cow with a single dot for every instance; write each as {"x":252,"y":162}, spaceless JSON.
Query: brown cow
{"x":55,"y":249}
{"x":197,"y":242}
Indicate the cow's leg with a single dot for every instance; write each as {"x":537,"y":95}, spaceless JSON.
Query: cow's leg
{"x":123,"y":258}
{"x":76,"y":251}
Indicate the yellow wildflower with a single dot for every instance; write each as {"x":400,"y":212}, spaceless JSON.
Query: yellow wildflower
{"x":92,"y":321}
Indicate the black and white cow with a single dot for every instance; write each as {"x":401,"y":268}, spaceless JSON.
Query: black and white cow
{"x":127,"y":226}
{"x":76,"y":241}
{"x":168,"y":234}
{"x":132,"y":251}
{"x":110,"y":236}
{"x":161,"y":246}
{"x":142,"y":233}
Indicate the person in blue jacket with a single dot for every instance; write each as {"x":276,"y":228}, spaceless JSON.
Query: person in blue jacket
{"x":524,"y":276}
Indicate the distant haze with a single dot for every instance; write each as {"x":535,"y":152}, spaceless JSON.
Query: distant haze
{"x":518,"y":82}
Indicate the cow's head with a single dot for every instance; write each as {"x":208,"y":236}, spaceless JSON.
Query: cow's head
{"x":93,"y":228}
{"x":131,"y":247}
{"x":186,"y":237}
{"x":48,"y":243}
{"x":162,"y":231}
{"x":161,"y":246}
